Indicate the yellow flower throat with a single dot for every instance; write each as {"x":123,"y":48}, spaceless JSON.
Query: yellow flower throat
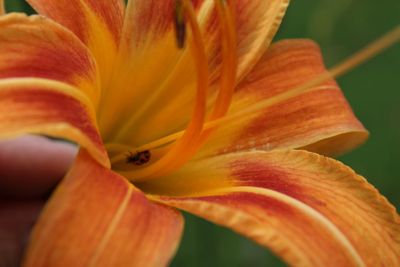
{"x":160,"y":158}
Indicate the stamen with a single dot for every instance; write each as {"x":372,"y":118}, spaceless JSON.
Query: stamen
{"x":178,"y":154}
{"x":229,"y":59}
{"x":229,"y":67}
{"x":347,"y":65}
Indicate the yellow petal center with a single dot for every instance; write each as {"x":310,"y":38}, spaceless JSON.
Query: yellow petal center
{"x":143,"y":164}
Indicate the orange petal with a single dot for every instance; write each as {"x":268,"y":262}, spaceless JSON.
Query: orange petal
{"x":38,"y":47}
{"x":153,"y":68}
{"x":49,"y":108}
{"x":320,"y":120}
{"x":310,"y":210}
{"x":96,"y":218}
{"x":97,"y":23}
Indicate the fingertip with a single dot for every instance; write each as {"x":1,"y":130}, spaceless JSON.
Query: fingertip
{"x":31,"y":166}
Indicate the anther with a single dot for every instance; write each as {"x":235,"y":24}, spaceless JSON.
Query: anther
{"x":180,"y":24}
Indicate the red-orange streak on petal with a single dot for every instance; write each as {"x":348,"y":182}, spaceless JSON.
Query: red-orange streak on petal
{"x":285,"y":64}
{"x":74,"y":15}
{"x":303,"y":116}
{"x":76,"y":23}
{"x":312,"y":187}
{"x":38,"y":47}
{"x":262,"y":175}
{"x":270,"y":207}
{"x":26,"y":109}
{"x":96,"y":218}
{"x":111,"y":12}
{"x":274,"y":178}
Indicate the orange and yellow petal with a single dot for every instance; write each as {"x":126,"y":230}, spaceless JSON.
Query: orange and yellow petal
{"x":310,"y":210}
{"x":152,"y":67}
{"x":319,"y":119}
{"x":98,"y":24}
{"x":96,"y":218}
{"x":49,"y":108}
{"x":36,"y":47}
{"x":256,"y":23}
{"x":149,"y":22}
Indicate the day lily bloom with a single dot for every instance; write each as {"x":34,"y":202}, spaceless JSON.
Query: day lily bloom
{"x":148,"y":90}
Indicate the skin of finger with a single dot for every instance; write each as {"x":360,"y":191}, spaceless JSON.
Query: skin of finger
{"x":16,"y":221}
{"x":31,"y":166}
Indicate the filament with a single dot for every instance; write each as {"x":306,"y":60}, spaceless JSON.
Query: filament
{"x":229,"y":67}
{"x":229,"y":60}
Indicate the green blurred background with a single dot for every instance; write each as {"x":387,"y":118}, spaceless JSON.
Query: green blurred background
{"x":341,"y":27}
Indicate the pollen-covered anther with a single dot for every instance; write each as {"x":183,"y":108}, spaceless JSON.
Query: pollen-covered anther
{"x":180,"y":24}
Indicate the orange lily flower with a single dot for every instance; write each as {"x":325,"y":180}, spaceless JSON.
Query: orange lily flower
{"x":144,"y":89}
